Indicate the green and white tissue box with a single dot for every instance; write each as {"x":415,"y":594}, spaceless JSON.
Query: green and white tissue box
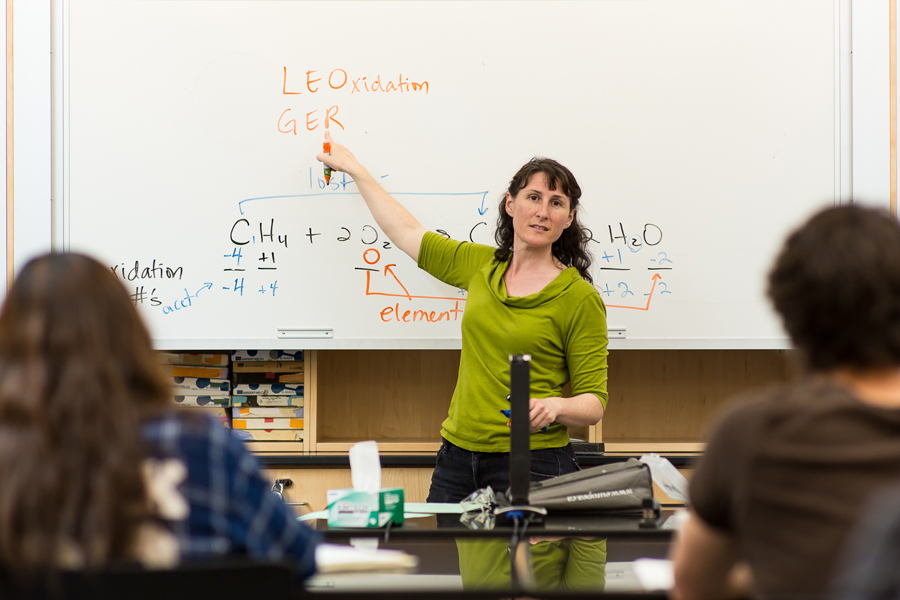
{"x":354,"y":508}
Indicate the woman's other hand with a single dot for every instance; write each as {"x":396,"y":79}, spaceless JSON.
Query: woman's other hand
{"x":543,"y":411}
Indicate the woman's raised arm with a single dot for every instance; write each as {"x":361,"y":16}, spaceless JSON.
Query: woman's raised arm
{"x":394,"y":220}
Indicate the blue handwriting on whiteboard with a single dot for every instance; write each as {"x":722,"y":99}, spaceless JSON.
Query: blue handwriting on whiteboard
{"x":185,"y":302}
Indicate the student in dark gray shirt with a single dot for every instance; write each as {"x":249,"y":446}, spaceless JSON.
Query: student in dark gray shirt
{"x":786,"y":470}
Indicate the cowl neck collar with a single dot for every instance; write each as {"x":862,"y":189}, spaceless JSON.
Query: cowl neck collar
{"x":551,"y":291}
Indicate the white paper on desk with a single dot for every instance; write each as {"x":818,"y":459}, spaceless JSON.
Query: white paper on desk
{"x":332,"y":558}
{"x":654,"y":574}
{"x":407,"y":514}
{"x":666,"y":476}
{"x":434,"y":508}
{"x":365,"y":467}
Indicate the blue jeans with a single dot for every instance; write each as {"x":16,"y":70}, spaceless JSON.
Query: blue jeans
{"x":460,"y":472}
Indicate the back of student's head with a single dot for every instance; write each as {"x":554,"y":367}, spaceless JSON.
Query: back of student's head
{"x":836,"y":285}
{"x":77,"y":374}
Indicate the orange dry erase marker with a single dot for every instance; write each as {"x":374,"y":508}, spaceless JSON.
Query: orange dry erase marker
{"x":326,"y":148}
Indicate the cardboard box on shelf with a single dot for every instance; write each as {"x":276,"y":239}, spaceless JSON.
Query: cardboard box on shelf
{"x":270,"y":435}
{"x":195,"y":386}
{"x":194,"y":358}
{"x":291,"y":378}
{"x":203,"y":401}
{"x":249,"y":401}
{"x":292,"y":412}
{"x":268,"y":389}
{"x":268,"y":366}
{"x":248,"y":355}
{"x":267,"y":423}
{"x":192,"y":371}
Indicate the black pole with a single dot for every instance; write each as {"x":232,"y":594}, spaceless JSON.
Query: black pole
{"x":520,"y":429}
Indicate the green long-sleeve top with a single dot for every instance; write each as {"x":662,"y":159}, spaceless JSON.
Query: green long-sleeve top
{"x":562,"y":327}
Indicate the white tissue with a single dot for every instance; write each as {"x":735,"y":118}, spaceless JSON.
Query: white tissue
{"x":365,"y":467}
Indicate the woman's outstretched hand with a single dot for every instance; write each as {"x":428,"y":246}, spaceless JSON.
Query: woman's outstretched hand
{"x":395,"y":221}
{"x":340,"y":159}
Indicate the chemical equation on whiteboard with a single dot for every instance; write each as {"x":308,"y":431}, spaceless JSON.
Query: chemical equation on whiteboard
{"x":630,"y":265}
{"x":257,"y":246}
{"x":632,"y":268}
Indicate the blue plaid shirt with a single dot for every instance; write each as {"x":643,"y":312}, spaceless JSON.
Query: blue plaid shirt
{"x":232,"y":508}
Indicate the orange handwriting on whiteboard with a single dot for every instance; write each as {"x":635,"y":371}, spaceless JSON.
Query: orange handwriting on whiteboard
{"x":394,"y":313}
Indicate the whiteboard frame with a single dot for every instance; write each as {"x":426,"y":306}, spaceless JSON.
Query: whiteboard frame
{"x":844,"y":151}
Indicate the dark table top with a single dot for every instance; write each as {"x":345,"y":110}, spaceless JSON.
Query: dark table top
{"x":449,"y":527}
{"x":566,"y":556}
{"x":427,"y":459}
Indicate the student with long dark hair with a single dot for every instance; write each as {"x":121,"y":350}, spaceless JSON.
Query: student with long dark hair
{"x":95,"y":466}
{"x":531,"y":295}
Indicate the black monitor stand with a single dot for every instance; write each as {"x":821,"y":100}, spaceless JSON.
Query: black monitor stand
{"x":519,"y":439}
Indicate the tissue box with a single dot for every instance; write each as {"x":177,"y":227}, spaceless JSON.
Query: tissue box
{"x":352,"y":508}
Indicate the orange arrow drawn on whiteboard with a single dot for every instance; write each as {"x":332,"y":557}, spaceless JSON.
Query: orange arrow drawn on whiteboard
{"x":387,"y":269}
{"x":408,"y":296}
{"x":656,"y":277}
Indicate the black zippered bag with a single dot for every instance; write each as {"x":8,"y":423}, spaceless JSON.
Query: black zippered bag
{"x":619,"y":486}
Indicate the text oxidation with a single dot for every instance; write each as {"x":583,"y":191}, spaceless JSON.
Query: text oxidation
{"x":142,"y":292}
{"x":317,"y":91}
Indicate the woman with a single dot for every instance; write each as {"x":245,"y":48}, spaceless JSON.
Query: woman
{"x":787,"y":469}
{"x":531,"y":295}
{"x":95,"y":467}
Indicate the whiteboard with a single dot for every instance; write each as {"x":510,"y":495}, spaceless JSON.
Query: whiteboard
{"x":700,"y":131}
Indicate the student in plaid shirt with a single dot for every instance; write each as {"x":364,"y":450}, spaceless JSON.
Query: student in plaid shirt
{"x":232,"y":508}
{"x":97,"y":467}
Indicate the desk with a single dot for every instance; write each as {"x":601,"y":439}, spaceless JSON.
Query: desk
{"x":567,"y":556}
{"x":314,"y":473}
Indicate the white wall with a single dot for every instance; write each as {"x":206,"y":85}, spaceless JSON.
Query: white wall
{"x":31,"y":98}
{"x":871,"y":102}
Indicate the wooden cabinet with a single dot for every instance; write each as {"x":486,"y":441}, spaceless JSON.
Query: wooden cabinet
{"x":659,"y":400}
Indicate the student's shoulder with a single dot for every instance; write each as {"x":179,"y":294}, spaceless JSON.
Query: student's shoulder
{"x":186,"y":428}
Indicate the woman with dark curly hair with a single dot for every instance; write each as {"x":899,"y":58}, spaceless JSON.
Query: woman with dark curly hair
{"x":787,"y":470}
{"x":96,"y":466}
{"x":531,"y":295}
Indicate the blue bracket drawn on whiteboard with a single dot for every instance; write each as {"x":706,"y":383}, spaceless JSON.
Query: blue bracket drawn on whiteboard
{"x":320,"y":194}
